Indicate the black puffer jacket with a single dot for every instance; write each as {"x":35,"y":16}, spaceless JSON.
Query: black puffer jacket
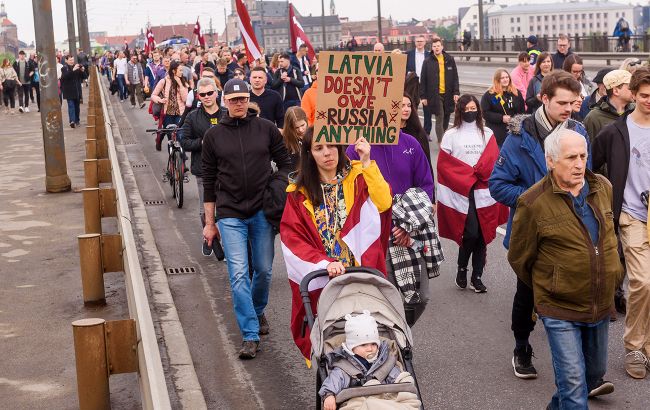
{"x":237,"y":155}
{"x":430,"y":82}
{"x":196,"y":124}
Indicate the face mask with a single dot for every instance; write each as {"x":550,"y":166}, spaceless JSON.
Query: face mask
{"x":469,"y":116}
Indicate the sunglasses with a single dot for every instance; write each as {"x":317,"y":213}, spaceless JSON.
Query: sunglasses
{"x":633,"y":63}
{"x":238,"y":100}
{"x":209,"y":93}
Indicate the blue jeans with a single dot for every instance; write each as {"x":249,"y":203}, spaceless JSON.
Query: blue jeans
{"x":249,"y":297}
{"x":121,"y":86}
{"x":579,"y":354}
{"x":73,"y":110}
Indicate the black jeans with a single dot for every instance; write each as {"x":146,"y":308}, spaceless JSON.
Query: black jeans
{"x":23,"y":95}
{"x":9,"y":96}
{"x":473,"y":242}
{"x":522,"y":311}
{"x":37,"y":88}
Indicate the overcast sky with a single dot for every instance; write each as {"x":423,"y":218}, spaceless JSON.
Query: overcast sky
{"x":129,"y":16}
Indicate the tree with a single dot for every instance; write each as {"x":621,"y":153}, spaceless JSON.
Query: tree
{"x":10,"y":56}
{"x":446,"y":33}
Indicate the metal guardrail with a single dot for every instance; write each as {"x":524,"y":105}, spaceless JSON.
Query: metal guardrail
{"x":103,"y":347}
{"x":509,"y":55}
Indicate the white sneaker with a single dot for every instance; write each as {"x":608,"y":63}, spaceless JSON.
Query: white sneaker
{"x":26,"y":109}
{"x":20,"y":109}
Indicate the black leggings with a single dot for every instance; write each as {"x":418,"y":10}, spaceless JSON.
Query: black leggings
{"x":9,"y":96}
{"x":522,"y":311}
{"x":473,"y":242}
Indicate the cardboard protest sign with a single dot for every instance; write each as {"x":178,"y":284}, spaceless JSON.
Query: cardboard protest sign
{"x":359,"y":95}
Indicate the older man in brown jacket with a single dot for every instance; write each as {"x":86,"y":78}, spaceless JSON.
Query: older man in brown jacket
{"x":563,"y":246}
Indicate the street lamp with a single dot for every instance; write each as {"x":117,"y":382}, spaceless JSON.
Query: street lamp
{"x":379,"y":21}
{"x":322,"y":22}
{"x":480,"y":25}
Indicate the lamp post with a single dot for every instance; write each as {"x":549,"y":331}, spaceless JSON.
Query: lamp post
{"x":322,"y":22}
{"x":480,"y":25}
{"x":379,"y":36}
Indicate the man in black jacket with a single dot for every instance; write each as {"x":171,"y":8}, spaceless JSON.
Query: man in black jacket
{"x":624,"y":146}
{"x":71,"y":76}
{"x":25,"y":70}
{"x":288,"y":82}
{"x":439,"y":87}
{"x":269,"y":101}
{"x":236,"y":156}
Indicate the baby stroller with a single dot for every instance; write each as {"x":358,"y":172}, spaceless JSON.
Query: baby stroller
{"x":357,"y":290}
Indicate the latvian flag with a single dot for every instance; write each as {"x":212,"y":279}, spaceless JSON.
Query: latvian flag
{"x":247,"y":34}
{"x":455,"y":181}
{"x":365,"y":231}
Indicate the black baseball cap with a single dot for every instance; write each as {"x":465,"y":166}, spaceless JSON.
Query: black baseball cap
{"x":598,"y":79}
{"x":235,"y":88}
{"x":532,"y":39}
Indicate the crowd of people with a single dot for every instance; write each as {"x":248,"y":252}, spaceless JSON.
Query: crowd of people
{"x":563,"y":160}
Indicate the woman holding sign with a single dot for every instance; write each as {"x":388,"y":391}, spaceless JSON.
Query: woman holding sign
{"x":330,"y":221}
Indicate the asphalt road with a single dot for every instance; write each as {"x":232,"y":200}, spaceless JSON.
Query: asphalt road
{"x":463,"y":342}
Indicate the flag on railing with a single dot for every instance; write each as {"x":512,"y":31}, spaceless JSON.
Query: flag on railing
{"x":248,"y":35}
{"x":298,"y":35}
{"x":197,"y":34}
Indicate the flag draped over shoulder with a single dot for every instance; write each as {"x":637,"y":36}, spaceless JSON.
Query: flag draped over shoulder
{"x":455,"y":181}
{"x":365,"y":231}
{"x":248,"y":35}
{"x":298,"y":35}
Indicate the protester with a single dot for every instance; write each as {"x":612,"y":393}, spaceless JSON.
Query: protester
{"x":467,"y":155}
{"x":410,"y":124}
{"x":324,"y":204}
{"x":236,"y":157}
{"x":205,"y":62}
{"x":618,"y":102}
{"x":119,"y":68}
{"x":71,"y":78}
{"x":414,"y":61}
{"x":155,"y":70}
{"x":134,"y":80}
{"x":439,"y":86}
{"x":623,"y":32}
{"x":573,"y":65}
{"x":563,"y":246}
{"x":600,"y":90}
{"x":295,"y":126}
{"x":308,"y":103}
{"x":239,"y":74}
{"x":8,"y":84}
{"x":196,"y":124}
{"x":631,"y":64}
{"x":269,"y":101}
{"x":563,"y":51}
{"x":36,"y":84}
{"x":378,"y":48}
{"x":171,"y":92}
{"x":223,"y":72}
{"x":522,"y":74}
{"x":623,"y":146}
{"x":288,"y":82}
{"x":500,"y":103}
{"x":532,"y":50}
{"x":543,"y":67}
{"x":25,"y":69}
{"x":520,"y":165}
{"x":300,"y":61}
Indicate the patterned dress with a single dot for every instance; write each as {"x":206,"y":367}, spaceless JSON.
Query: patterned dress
{"x":330,"y":218}
{"x":172,"y":105}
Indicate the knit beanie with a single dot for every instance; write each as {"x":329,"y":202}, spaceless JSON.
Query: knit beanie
{"x":360,"y":329}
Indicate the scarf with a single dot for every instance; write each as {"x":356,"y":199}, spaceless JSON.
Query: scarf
{"x":544,"y":127}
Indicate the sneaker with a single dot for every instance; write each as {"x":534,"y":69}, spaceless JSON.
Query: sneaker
{"x":636,"y":364}
{"x":218,"y":250}
{"x":522,"y":363}
{"x":603,"y":387}
{"x":26,"y":109}
{"x":206,"y":249}
{"x":142,"y":105}
{"x":477,"y":285}
{"x":72,"y":125}
{"x":132,"y":105}
{"x":21,"y":109}
{"x":249,"y":349}
{"x":264,"y":325}
{"x":461,"y":278}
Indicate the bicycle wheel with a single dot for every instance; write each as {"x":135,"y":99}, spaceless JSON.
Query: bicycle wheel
{"x":178,"y":178}
{"x":171,"y":174}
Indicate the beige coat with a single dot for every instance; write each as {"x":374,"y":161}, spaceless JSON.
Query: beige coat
{"x":8,"y":73}
{"x":162,"y":91}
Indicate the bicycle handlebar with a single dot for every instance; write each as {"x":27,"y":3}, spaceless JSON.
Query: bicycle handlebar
{"x":160,"y":130}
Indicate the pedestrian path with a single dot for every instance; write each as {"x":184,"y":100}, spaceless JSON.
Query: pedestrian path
{"x":40,"y":282}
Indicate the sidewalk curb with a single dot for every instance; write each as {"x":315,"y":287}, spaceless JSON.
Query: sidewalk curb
{"x":183,"y":375}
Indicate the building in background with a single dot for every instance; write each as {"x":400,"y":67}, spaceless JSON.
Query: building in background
{"x":8,"y":34}
{"x":468,"y":18}
{"x":573,"y":18}
{"x":276,"y":35}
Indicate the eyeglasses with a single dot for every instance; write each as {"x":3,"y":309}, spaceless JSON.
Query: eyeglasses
{"x":206,"y":94}
{"x":238,"y":100}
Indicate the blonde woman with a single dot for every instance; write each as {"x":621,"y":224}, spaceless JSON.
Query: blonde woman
{"x":500,"y":103}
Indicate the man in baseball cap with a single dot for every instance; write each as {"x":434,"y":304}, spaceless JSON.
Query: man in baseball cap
{"x":236,"y":157}
{"x":600,"y":91}
{"x":617,"y":101}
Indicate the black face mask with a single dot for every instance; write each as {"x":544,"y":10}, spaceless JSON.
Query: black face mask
{"x":469,"y":116}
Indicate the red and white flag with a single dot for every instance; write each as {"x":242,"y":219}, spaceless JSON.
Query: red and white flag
{"x":455,"y":181}
{"x":365,"y":231}
{"x":197,"y":34}
{"x":150,"y":45}
{"x":298,"y":35}
{"x":248,"y":35}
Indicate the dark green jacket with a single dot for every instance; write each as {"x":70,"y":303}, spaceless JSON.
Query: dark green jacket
{"x":602,"y":115}
{"x":552,"y":252}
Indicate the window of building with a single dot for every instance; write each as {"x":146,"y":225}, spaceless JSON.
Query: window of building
{"x":604,"y":15}
{"x":584,"y":25}
{"x":553,"y":17}
{"x":518,"y":19}
{"x":512,"y":29}
{"x":474,"y":16}
{"x":591,"y":25}
{"x":623,"y":14}
{"x":553,"y":27}
{"x":597,"y":15}
{"x":584,"y":16}
{"x":545,"y":18}
{"x":531,"y":19}
{"x":539,"y":28}
{"x":561,"y":17}
{"x":575,"y":16}
{"x":512,"y":19}
{"x":545,"y":27}
{"x":519,"y":29}
{"x":591,"y":15}
{"x":539,"y":18}
{"x":616,"y":14}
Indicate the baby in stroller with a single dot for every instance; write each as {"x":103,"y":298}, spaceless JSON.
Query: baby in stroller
{"x":365,"y":360}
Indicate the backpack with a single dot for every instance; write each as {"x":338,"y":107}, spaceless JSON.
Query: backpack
{"x":624,"y":25}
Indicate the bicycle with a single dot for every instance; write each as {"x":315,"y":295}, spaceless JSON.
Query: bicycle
{"x":175,"y":171}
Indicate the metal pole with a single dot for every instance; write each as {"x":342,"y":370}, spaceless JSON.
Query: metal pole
{"x":56,"y":173}
{"x":262,"y":24}
{"x":92,"y":212}
{"x":225,"y":20}
{"x":322,"y":22}
{"x":481,"y":31}
{"x":72,"y":36}
{"x":82,"y":21}
{"x":92,"y":368}
{"x":289,"y":29}
{"x":379,"y":36}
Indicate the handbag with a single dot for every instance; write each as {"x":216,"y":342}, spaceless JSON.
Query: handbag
{"x":156,"y":108}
